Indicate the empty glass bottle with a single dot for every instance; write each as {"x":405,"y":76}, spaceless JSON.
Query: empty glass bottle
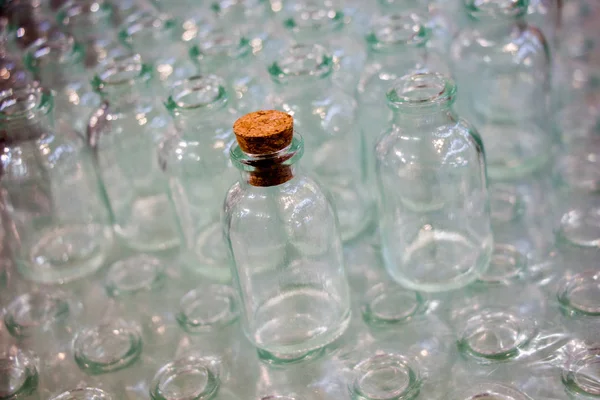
{"x":434,"y":210}
{"x":58,"y":227}
{"x":144,"y":32}
{"x":124,"y":134}
{"x":284,"y":241}
{"x":220,"y":50}
{"x":198,"y":170}
{"x":327,"y":117}
{"x":19,"y":374}
{"x":502,"y":66}
{"x":58,"y":64}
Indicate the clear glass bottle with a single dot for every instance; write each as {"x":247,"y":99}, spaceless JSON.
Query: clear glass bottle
{"x":502,"y":66}
{"x":396,"y":46}
{"x":197,"y":167}
{"x":218,"y":49}
{"x":144,"y":32}
{"x":58,"y":221}
{"x":192,"y":376}
{"x":19,"y":374}
{"x":57,"y":63}
{"x":434,"y":209}
{"x":327,"y":116}
{"x":324,"y":22}
{"x":86,"y":393}
{"x":284,"y":240}
{"x":124,"y":135}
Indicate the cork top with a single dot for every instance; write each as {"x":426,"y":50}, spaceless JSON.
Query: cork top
{"x":264,"y":132}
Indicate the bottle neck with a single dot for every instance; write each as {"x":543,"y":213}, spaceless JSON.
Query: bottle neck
{"x":124,"y":83}
{"x":427,"y":116}
{"x":56,"y":63}
{"x":26,"y":115}
{"x":270,"y":169}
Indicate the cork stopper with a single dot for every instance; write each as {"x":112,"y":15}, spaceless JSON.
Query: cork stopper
{"x":264,"y":132}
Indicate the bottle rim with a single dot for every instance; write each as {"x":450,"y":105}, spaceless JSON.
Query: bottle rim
{"x":300,"y":62}
{"x":286,"y":156}
{"x":25,"y":103}
{"x":121,"y":71}
{"x":86,"y":393}
{"x":218,"y":42}
{"x":197,"y":93}
{"x":144,"y":21}
{"x":62,"y":48}
{"x":398,"y":29}
{"x":499,"y":9}
{"x":310,"y":16}
{"x":24,"y":382}
{"x":100,"y":9}
{"x":421,"y":90}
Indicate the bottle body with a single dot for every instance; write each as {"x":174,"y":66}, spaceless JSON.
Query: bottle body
{"x":52,"y":202}
{"x":434,"y":207}
{"x":289,"y":271}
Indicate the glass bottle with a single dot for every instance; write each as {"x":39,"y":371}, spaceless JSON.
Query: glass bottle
{"x":143,"y":32}
{"x":434,"y":210}
{"x":284,"y":241}
{"x":87,"y":393}
{"x":124,"y":135}
{"x":58,"y":218}
{"x":327,"y":117}
{"x":396,"y":46}
{"x":191,"y":376}
{"x":20,"y":375}
{"x":221,"y":50}
{"x":502,"y":66}
{"x":198,"y":170}
{"x":324,"y":22}
{"x":58,"y":64}
{"x":27,"y":22}
{"x":91,"y":23}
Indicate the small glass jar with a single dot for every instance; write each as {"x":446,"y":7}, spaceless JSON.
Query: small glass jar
{"x":196,"y":165}
{"x":434,"y":209}
{"x":285,"y":245}
{"x":56,"y":216}
{"x":124,"y":135}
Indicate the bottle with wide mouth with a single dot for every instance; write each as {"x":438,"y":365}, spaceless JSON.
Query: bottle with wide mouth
{"x":325,"y":22}
{"x":502,"y":66}
{"x":327,"y":117}
{"x":434,"y":210}
{"x":284,"y":241}
{"x":91,"y":23}
{"x":58,"y":63}
{"x":145,"y":31}
{"x":217,"y":49}
{"x":397,"y":45}
{"x":57,"y":219}
{"x":124,"y":135}
{"x":197,"y":168}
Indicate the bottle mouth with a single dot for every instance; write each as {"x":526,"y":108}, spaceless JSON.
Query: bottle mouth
{"x":313,"y":16}
{"x":144,"y":23}
{"x":208,"y":309}
{"x":286,"y":156}
{"x":186,"y":378}
{"x":24,"y":103}
{"x":421,"y":90}
{"x":20,"y":370}
{"x":505,"y":9}
{"x":491,"y":391}
{"x":406,"y":29}
{"x":218,"y":42}
{"x":121,"y":71}
{"x":133,"y":275}
{"x":197,"y":93}
{"x":56,"y":49}
{"x":36,"y":311}
{"x":302,"y":61}
{"x":87,"y":393}
{"x":85,"y":12}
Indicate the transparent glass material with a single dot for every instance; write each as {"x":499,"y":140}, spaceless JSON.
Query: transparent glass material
{"x":189,"y":377}
{"x":14,"y":74}
{"x":396,"y":46}
{"x":19,"y":374}
{"x":27,"y":22}
{"x":324,"y":22}
{"x":86,"y":393}
{"x":144,"y":32}
{"x":502,"y":66}
{"x":250,"y":18}
{"x":287,"y":255}
{"x":58,"y":63}
{"x":57,"y":218}
{"x":434,"y":210}
{"x":91,"y":23}
{"x":124,"y":134}
{"x":546,"y":15}
{"x":220,"y":50}
{"x":488,"y":391}
{"x":196,"y":165}
{"x":327,"y":117}
{"x":579,"y":373}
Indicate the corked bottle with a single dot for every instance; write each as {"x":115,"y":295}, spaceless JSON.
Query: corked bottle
{"x":285,"y":245}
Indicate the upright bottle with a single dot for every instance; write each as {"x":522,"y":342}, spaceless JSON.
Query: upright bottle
{"x":502,"y":66}
{"x":434,"y":210}
{"x":198,"y":171}
{"x":327,"y":117}
{"x":58,"y":222}
{"x":58,"y":63}
{"x":283,"y":237}
{"x":124,"y":134}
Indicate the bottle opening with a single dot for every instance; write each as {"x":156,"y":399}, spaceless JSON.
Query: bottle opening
{"x":21,"y":103}
{"x":54,"y":49}
{"x":398,"y":29}
{"x":19,"y":374}
{"x":208,"y":309}
{"x":198,"y":92}
{"x":34,"y":311}
{"x":386,"y":377}
{"x":80,"y":13}
{"x":492,"y":391}
{"x":313,"y":15}
{"x":187,"y":378}
{"x":87,"y":393}
{"x":133,"y":275}
{"x":302,"y":61}
{"x":145,"y":27}
{"x":421,"y":89}
{"x":218,"y":42}
{"x":121,"y":71}
{"x":496,"y":8}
